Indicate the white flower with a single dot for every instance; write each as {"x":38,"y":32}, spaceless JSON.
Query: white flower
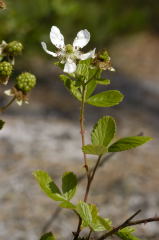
{"x":68,"y":54}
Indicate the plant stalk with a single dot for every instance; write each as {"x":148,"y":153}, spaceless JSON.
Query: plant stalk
{"x":2,"y":109}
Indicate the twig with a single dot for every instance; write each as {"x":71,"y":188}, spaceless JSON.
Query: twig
{"x":146,"y":220}
{"x":91,"y":178}
{"x":2,"y":109}
{"x":89,"y":182}
{"x":121,"y":226}
{"x":82,"y":129}
{"x":89,"y":235}
{"x":128,"y":223}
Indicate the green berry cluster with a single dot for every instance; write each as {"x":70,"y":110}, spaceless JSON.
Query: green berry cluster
{"x":5,"y":69}
{"x":14,"y":48}
{"x":25,"y":82}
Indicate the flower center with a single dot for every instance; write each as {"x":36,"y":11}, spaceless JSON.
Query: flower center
{"x":69,"y":48}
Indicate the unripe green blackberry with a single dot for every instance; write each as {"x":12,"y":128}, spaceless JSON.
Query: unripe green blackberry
{"x":14,"y":48}
{"x":5,"y":69}
{"x":25,"y":82}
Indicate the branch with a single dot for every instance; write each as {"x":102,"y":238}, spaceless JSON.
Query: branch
{"x":82,"y":129}
{"x":128,"y":223}
{"x":91,"y":177}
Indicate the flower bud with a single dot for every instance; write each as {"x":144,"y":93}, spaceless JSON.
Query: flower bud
{"x":25,"y":82}
{"x":14,"y":48}
{"x":103,"y":61}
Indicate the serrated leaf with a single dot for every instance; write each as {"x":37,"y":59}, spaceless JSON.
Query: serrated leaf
{"x":103,"y":131}
{"x":99,"y":225}
{"x":103,"y":81}
{"x":90,"y":218}
{"x":48,"y":186}
{"x":128,"y":143}
{"x":107,"y":223}
{"x":1,"y":124}
{"x":48,"y":236}
{"x":94,"y":149}
{"x":71,"y":86}
{"x":69,"y":183}
{"x":67,"y":204}
{"x":84,"y":211}
{"x":106,"y":99}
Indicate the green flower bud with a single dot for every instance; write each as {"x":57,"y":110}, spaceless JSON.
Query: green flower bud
{"x":5,"y":69}
{"x":14,"y":48}
{"x":25,"y":82}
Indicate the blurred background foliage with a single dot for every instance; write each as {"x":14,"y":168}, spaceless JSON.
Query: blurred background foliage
{"x":30,"y":21}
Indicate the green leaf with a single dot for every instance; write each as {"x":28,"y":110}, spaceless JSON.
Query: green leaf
{"x":94,"y":149}
{"x":48,"y":186}
{"x":84,"y":211}
{"x":69,"y":183}
{"x":106,"y":99}
{"x":90,"y":88}
{"x":126,"y":234}
{"x":128,"y":143}
{"x":67,"y":204}
{"x":103,"y":81}
{"x":48,"y":236}
{"x":71,"y":86}
{"x":101,"y":224}
{"x":83,"y":69}
{"x":1,"y":124}
{"x":103,"y":131}
{"x":90,"y":218}
{"x":107,"y":223}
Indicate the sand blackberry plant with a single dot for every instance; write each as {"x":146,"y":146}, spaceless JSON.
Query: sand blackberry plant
{"x":83,"y":73}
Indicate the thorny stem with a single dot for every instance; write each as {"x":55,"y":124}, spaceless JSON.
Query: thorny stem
{"x":82,"y":131}
{"x":82,"y":128}
{"x":128,"y":223}
{"x":91,"y":177}
{"x":2,"y":109}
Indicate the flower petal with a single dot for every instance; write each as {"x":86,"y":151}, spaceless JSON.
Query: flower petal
{"x":19,"y":102}
{"x":46,"y":50}
{"x":56,"y":37}
{"x":90,"y":54}
{"x":8,"y":92}
{"x":70,"y":66}
{"x":82,"y":39}
{"x":111,"y":69}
